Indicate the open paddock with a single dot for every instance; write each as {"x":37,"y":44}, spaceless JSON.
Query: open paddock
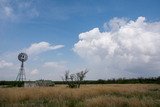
{"x":107,"y":95}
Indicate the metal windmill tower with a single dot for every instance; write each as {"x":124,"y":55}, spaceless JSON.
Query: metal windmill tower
{"x":21,"y":75}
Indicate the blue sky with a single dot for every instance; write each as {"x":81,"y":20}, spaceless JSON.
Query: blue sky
{"x":38,"y":26}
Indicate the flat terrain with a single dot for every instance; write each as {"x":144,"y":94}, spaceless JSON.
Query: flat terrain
{"x":112,"y":95}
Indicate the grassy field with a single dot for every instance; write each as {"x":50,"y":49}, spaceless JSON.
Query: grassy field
{"x":112,"y":95}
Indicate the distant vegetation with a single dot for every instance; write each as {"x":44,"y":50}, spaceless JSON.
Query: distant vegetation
{"x":141,"y":80}
{"x":12,"y":83}
{"x":152,"y":80}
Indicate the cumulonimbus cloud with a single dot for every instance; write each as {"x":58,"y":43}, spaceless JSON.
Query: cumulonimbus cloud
{"x":37,"y":48}
{"x":125,"y":45}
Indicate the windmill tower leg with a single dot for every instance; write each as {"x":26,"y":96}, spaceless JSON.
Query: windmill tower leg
{"x":21,"y":75}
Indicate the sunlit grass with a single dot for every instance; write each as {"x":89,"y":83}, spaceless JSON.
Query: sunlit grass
{"x":121,"y":95}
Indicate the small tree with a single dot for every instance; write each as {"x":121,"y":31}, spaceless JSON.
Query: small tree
{"x":80,"y":77}
{"x":74,"y":80}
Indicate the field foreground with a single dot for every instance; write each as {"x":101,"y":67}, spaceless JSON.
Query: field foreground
{"x":112,"y":95}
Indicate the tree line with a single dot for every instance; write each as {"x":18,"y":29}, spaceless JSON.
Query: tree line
{"x":141,"y":80}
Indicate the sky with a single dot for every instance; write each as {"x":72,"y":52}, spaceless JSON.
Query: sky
{"x":110,"y":38}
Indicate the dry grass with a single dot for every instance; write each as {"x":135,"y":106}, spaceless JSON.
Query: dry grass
{"x":121,"y":95}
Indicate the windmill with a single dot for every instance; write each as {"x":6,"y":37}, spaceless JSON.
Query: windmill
{"x":21,"y":75}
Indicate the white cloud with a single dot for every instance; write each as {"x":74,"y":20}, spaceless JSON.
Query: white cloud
{"x":17,"y":10}
{"x":53,"y":70}
{"x":56,"y":66}
{"x":126,"y":46}
{"x":5,"y":64}
{"x":8,"y":11}
{"x":37,"y":48}
{"x":115,"y":24}
{"x":34,"y":72}
{"x":10,"y":70}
